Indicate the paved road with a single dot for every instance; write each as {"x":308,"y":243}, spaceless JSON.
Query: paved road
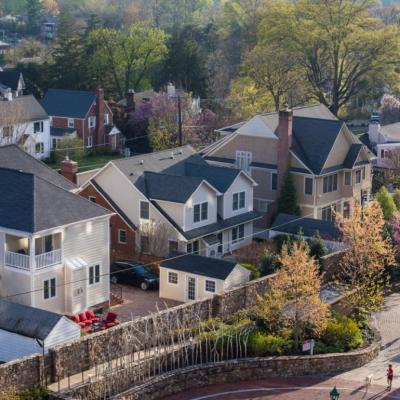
{"x":351,"y":384}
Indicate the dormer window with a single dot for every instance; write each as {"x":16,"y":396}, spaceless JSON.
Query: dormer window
{"x":243,"y":160}
{"x":200,"y":212}
{"x":239,"y":200}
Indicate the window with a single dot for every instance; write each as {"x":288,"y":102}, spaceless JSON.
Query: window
{"x":347,"y":178}
{"x":144,"y":244}
{"x":89,"y":141}
{"x":173,"y":246}
{"x":210,"y":286}
{"x":39,"y":148}
{"x":346,"y":209}
{"x":122,"y":236}
{"x":262,"y":205}
{"x":328,"y":213}
{"x":92,"y":199}
{"x":49,"y":288}
{"x":38,"y":127}
{"x":382,"y":153}
{"x":200,"y":212}
{"x":274,"y":181}
{"x":193,"y":247}
{"x":308,"y":185}
{"x":243,"y":160}
{"x":144,"y":210}
{"x":106,"y":119}
{"x":239,"y":200}
{"x":94,"y":274}
{"x":71,"y":123}
{"x":363,"y":173}
{"x":238,"y":233}
{"x":8,"y":131}
{"x":330,"y":183}
{"x":172,"y":278}
{"x":92,"y":122}
{"x":54,"y":143}
{"x":358,"y":176}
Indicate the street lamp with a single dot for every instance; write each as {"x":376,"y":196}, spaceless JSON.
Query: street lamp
{"x":334,"y":394}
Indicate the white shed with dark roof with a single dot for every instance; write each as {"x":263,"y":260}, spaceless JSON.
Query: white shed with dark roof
{"x":24,"y":330}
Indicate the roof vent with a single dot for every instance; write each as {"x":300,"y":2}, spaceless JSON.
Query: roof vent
{"x":172,"y":154}
{"x":141,"y":162}
{"x":131,"y":174}
{"x":180,"y":151}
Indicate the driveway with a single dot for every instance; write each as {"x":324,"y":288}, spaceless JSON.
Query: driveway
{"x":138,"y":303}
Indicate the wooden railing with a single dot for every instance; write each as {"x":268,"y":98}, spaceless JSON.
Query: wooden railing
{"x":22,"y":261}
{"x":17,"y":260}
{"x":47,"y":259}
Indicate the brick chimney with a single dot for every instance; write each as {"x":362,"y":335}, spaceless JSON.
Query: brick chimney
{"x":284,"y":143}
{"x":100,"y":111}
{"x":69,"y":169}
{"x":130,"y":100}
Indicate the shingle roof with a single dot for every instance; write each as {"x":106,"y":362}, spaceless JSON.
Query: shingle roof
{"x":10,"y":78}
{"x":24,"y":109}
{"x":31,"y":204}
{"x":352,"y":155}
{"x":27,"y":321}
{"x":13,"y":157}
{"x":60,"y":132}
{"x":291,"y":224}
{"x":68,"y":103}
{"x":199,"y":265}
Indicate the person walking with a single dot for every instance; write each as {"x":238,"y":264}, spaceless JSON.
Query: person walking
{"x":389,"y":375}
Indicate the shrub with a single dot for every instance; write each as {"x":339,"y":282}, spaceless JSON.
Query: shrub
{"x":281,"y":240}
{"x":343,"y":332}
{"x":322,"y":348}
{"x":261,"y":344}
{"x":255,"y":273}
{"x":269,"y":263}
{"x":317,"y":247}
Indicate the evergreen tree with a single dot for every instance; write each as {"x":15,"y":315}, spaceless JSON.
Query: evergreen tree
{"x":288,"y":201}
{"x":34,"y":10}
{"x":386,"y":202}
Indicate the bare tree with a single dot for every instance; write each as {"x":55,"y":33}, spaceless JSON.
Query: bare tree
{"x":154,"y":238}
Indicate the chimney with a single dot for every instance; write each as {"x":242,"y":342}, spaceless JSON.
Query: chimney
{"x":284,"y":143}
{"x":100,"y":111}
{"x":130,"y":100}
{"x":69,"y":169}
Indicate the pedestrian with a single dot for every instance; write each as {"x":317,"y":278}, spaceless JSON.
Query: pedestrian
{"x":389,"y":375}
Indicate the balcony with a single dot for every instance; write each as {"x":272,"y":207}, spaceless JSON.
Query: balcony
{"x":22,"y":261}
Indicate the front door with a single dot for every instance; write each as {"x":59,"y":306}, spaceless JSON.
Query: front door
{"x":191,"y":288}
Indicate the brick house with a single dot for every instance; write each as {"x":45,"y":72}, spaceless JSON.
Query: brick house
{"x":85,"y":112}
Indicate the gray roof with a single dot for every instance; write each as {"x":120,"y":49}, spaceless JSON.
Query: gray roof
{"x":199,"y":265}
{"x":291,"y":224}
{"x":27,"y":321}
{"x":13,"y":157}
{"x":391,"y":131}
{"x":352,"y":155}
{"x":31,"y":204}
{"x":24,"y":109}
{"x":68,"y":103}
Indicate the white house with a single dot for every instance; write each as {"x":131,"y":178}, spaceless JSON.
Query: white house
{"x":24,"y":122}
{"x":26,"y":330}
{"x":194,"y":277}
{"x":180,"y":203}
{"x":54,"y":244}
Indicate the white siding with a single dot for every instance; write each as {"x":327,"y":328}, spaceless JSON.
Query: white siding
{"x":64,"y":331}
{"x":241,"y":184}
{"x":13,"y":346}
{"x":175,"y":210}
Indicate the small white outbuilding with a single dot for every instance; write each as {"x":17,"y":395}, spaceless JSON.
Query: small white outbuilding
{"x":190,"y":277}
{"x":26,"y":330}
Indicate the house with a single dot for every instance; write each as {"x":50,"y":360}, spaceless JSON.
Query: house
{"x":54,"y":244}
{"x":4,"y":47}
{"x":330,"y":167}
{"x":177,"y":202}
{"x":193,"y":277}
{"x":12,"y":84}
{"x":27,"y":330}
{"x":85,"y":112}
{"x":48,"y":28}
{"x":24,"y":122}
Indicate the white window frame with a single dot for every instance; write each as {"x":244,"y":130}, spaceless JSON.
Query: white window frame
{"x":41,"y":127}
{"x":50,"y":296}
{"x":96,"y":277}
{"x":140,"y":210}
{"x":238,"y":238}
{"x":210,"y":281}
{"x":119,"y":236}
{"x":238,"y":206}
{"x":201,"y":219}
{"x":92,"y":122}
{"x":41,"y":148}
{"x":169,"y":274}
{"x":244,"y":160}
{"x":71,"y":123}
{"x":106,"y":119}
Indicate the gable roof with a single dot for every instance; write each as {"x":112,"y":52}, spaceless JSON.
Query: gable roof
{"x":27,"y":321}
{"x":10,"y":78}
{"x":31,"y":204}
{"x":206,"y":266}
{"x":352,"y":155}
{"x":13,"y":157}
{"x":68,"y":103}
{"x":24,"y":109}
{"x":292,"y":224}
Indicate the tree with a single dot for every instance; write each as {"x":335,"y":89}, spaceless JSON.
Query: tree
{"x":128,"y":56}
{"x":288,"y":200}
{"x":317,"y":247}
{"x":386,"y":202}
{"x":72,"y":148}
{"x":339,"y":44}
{"x":294,"y":300}
{"x":34,"y":11}
{"x":362,"y":266}
{"x":396,"y":198}
{"x":390,"y":109}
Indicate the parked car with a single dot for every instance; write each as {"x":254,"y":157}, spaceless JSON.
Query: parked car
{"x":133,"y":273}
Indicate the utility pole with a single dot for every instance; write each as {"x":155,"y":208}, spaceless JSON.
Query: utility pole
{"x":180,"y":121}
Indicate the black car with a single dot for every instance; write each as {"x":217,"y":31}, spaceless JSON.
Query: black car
{"x":133,"y":273}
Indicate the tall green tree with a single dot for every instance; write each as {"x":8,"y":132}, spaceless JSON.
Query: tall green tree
{"x":288,"y":200}
{"x":386,"y":202}
{"x":34,"y":11}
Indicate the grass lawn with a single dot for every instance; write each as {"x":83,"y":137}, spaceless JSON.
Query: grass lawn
{"x":91,"y":161}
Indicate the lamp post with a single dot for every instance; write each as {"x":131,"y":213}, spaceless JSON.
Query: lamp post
{"x":334,"y":394}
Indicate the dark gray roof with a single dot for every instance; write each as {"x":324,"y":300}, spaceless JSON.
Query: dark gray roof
{"x":352,"y":155}
{"x":10,"y":78}
{"x":13,"y":157}
{"x":24,"y":109}
{"x":60,"y":132}
{"x":313,"y":140}
{"x":291,"y":224}
{"x":364,"y":139}
{"x":68,"y":103}
{"x":27,"y":321}
{"x":31,"y":204}
{"x":199,"y":265}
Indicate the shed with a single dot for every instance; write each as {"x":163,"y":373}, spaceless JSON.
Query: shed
{"x":24,"y":330}
{"x":187,"y":277}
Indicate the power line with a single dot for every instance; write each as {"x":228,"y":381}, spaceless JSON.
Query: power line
{"x":156,"y":262}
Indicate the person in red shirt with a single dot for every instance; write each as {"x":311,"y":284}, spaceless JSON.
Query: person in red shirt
{"x":389,"y":375}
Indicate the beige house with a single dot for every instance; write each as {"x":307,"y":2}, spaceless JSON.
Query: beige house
{"x":331,"y":168}
{"x":194,"y":277}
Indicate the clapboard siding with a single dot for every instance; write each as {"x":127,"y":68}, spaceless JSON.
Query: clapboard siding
{"x":64,"y":331}
{"x":13,"y":346}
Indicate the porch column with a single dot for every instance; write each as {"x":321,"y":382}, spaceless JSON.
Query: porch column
{"x":32,"y":259}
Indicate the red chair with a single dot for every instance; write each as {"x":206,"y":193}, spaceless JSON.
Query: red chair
{"x":76,"y":319}
{"x":111,"y":320}
{"x":84,"y":319}
{"x":91,"y":316}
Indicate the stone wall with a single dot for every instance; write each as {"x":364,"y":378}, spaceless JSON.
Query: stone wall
{"x":330,"y":265}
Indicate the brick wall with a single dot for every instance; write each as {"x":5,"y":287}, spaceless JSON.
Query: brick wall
{"x":61,"y":122}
